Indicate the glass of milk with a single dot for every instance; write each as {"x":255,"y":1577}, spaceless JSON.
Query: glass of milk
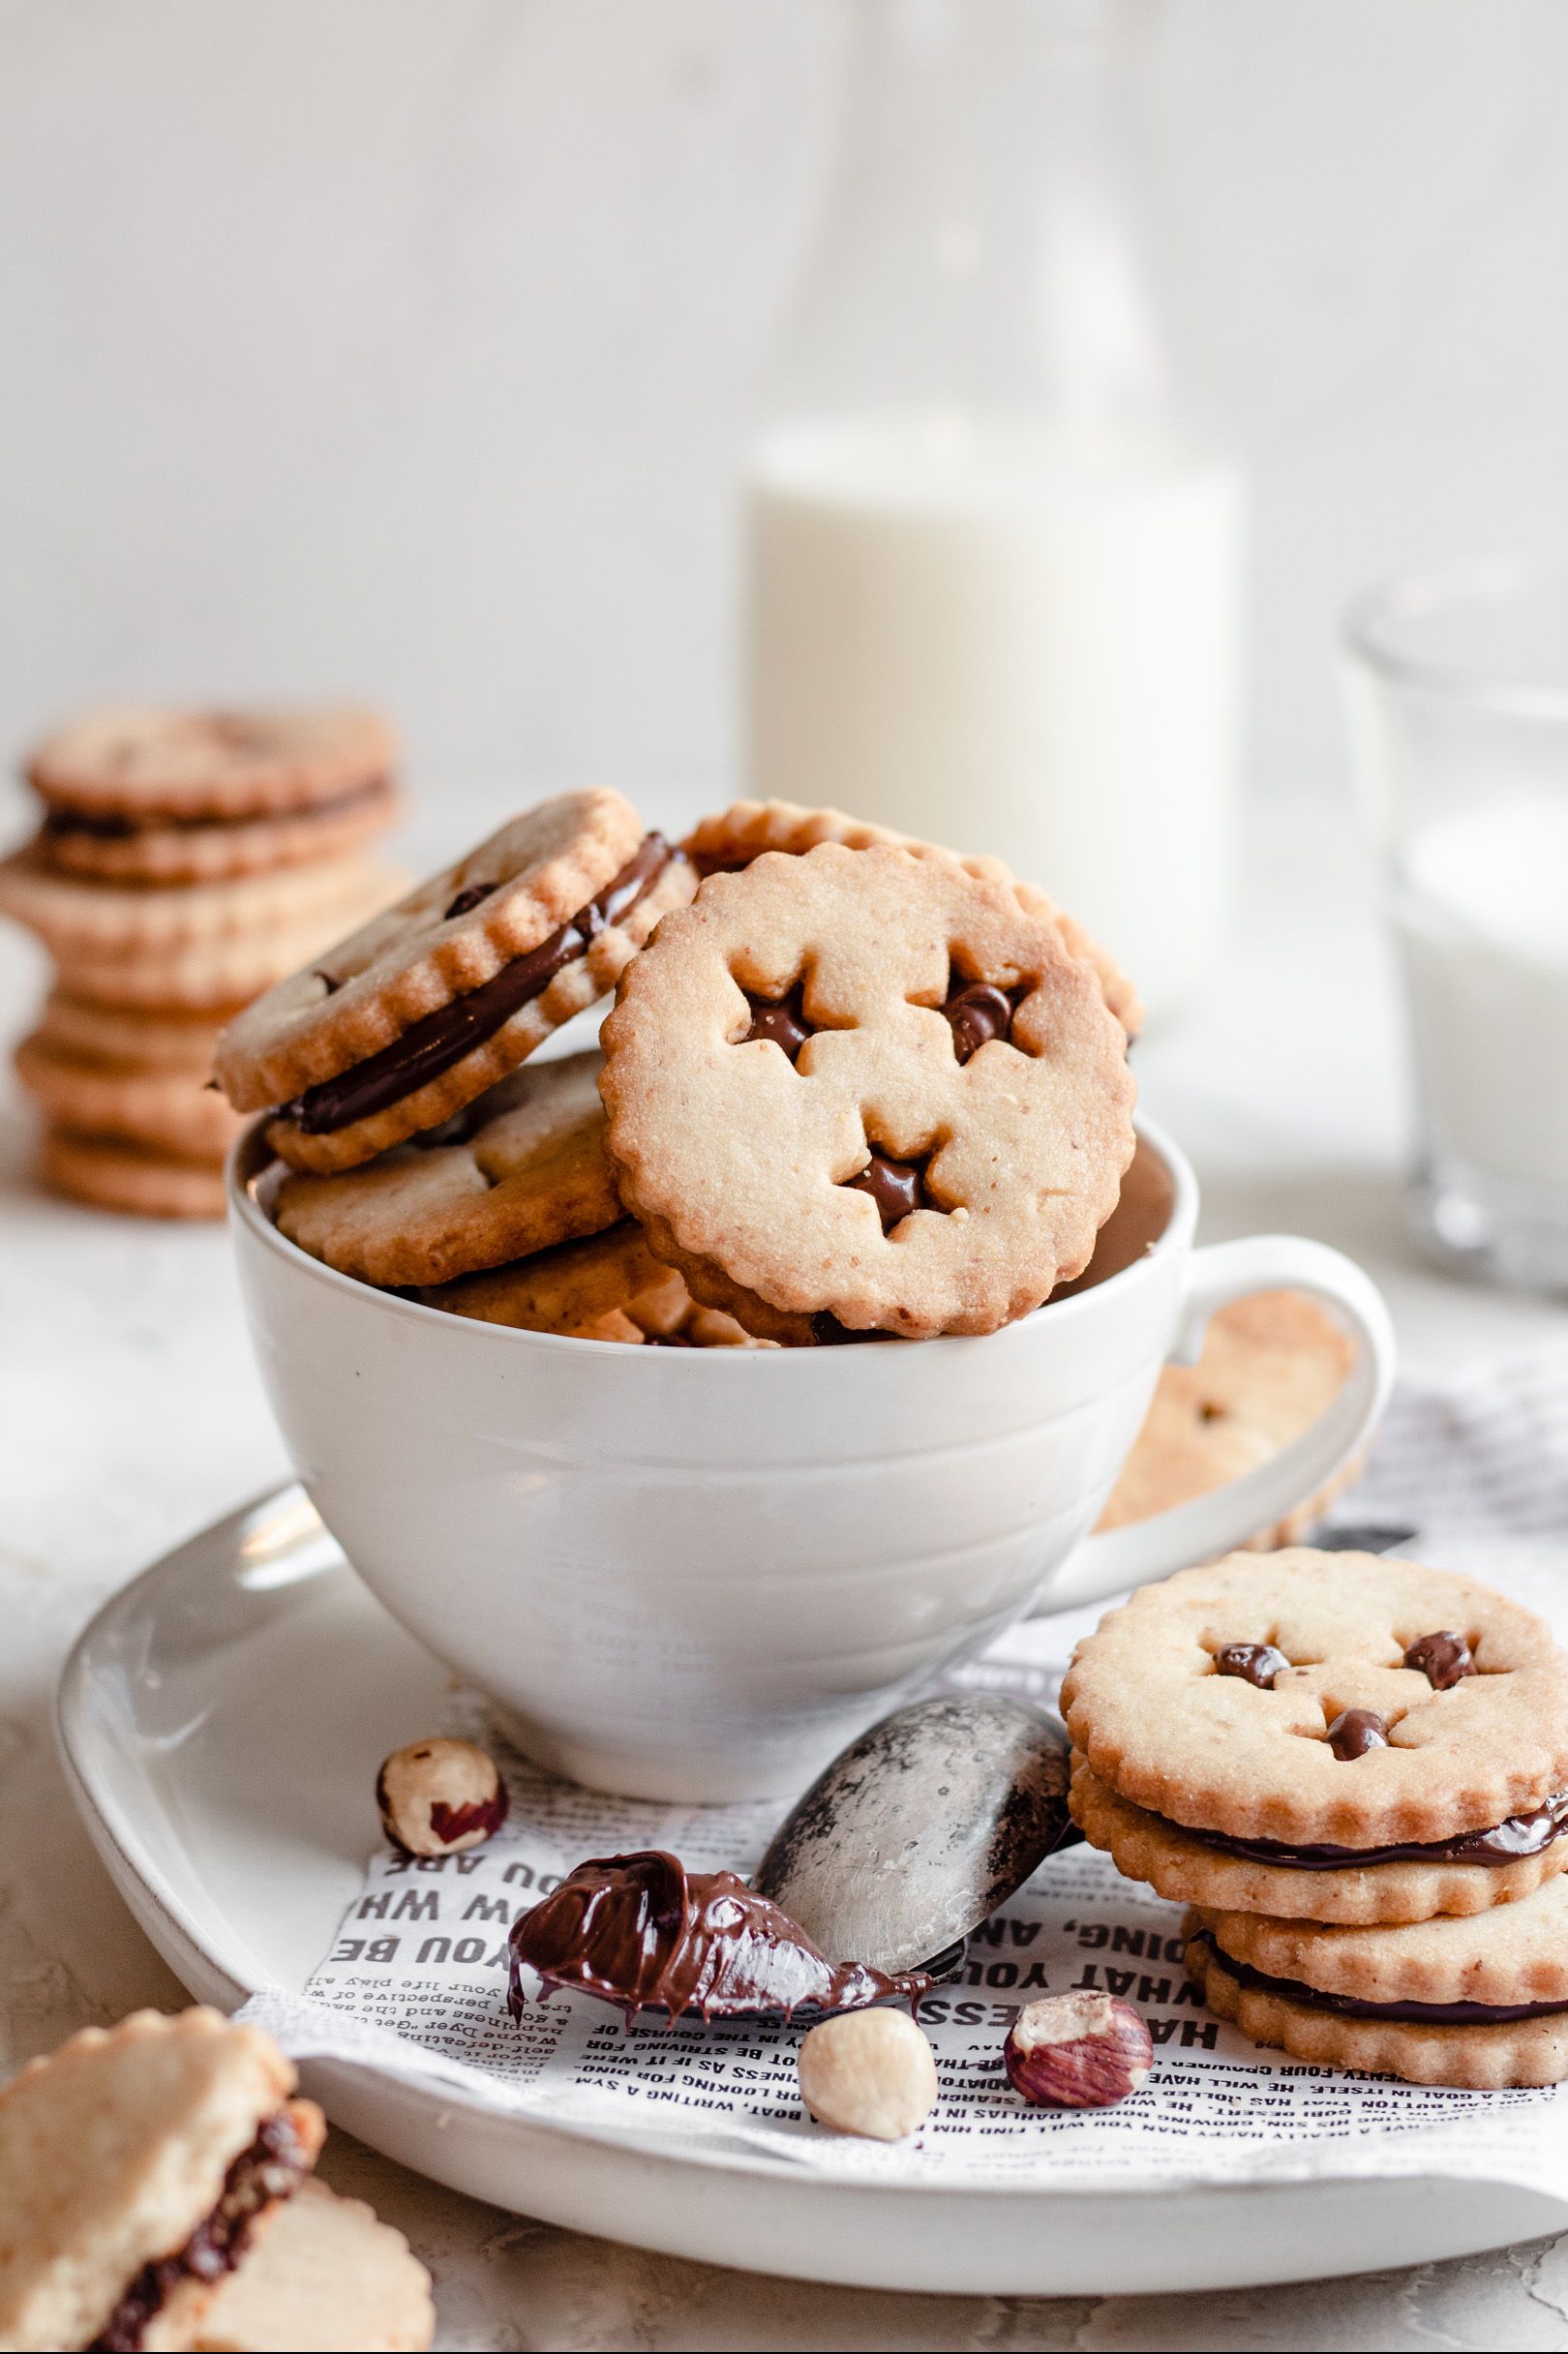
{"x":1457,"y":688}
{"x":994,"y":556}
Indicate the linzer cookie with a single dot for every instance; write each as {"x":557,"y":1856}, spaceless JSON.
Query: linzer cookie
{"x":1333,"y":1736}
{"x":747,"y":829}
{"x":110,"y":849}
{"x":74,"y":916}
{"x":144,"y":1180}
{"x":143,"y":1038}
{"x":164,"y":764}
{"x":522,"y":1168}
{"x":1270,"y":1365}
{"x":1396,"y":1882}
{"x":221,"y":971}
{"x":862,"y":1089}
{"x":609,"y":1287}
{"x":410,"y":1018}
{"x":165,"y":797}
{"x":102,"y":1095}
{"x":135,"y":2164}
{"x":1480,"y":2002}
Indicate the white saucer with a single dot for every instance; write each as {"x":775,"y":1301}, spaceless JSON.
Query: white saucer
{"x":215,"y":1718}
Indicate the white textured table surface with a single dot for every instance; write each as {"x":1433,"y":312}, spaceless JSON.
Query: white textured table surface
{"x":130,"y":1415}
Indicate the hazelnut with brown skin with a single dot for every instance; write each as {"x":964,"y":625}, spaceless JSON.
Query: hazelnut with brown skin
{"x":438,"y":1798}
{"x":1077,"y":2051}
{"x":869,"y":2073}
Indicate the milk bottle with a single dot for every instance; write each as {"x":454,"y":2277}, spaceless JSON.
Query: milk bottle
{"x":994,"y":561}
{"x":1013,"y":637}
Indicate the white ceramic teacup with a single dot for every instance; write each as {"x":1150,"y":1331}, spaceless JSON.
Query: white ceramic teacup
{"x":693,"y":1574}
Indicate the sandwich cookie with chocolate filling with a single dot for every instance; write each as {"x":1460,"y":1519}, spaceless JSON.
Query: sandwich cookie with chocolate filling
{"x":78,"y":918}
{"x":142,"y":1180}
{"x":1479,"y":2002}
{"x":119,"y":1077}
{"x":1340,"y":1738}
{"x":142,"y":1038}
{"x":136,"y":2164}
{"x":746,"y":830}
{"x":410,"y":1018}
{"x":167,"y":794}
{"x":521,"y":1168}
{"x":609,"y":1288}
{"x":1270,"y":1365}
{"x":861,"y":1090}
{"x":217,"y":972}
{"x":172,"y":1110}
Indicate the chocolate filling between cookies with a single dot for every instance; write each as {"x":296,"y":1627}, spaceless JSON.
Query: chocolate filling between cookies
{"x":430,"y":1046}
{"x":272,"y":2168}
{"x":1354,"y":2007}
{"x":1507,"y":1842}
{"x":116,"y":825}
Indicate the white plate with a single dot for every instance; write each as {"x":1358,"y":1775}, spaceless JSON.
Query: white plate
{"x":215,"y":1718}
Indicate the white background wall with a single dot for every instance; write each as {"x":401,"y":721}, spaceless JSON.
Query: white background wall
{"x":407,"y":345}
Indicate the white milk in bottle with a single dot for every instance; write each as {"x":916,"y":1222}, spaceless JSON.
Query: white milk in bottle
{"x":1015,"y":636}
{"x":994,"y":558}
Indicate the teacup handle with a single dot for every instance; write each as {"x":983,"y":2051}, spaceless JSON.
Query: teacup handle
{"x":1212,"y":1525}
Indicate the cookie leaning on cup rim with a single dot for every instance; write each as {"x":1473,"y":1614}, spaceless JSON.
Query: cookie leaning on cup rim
{"x":1331,"y":1736}
{"x":1479,"y":2002}
{"x":402,"y":1024}
{"x":865,"y":1087}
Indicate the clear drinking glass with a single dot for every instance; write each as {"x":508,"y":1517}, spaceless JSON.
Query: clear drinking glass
{"x":1458,"y":688}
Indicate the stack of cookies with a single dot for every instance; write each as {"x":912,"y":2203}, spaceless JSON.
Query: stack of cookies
{"x":855,"y":1086}
{"x":1354,"y":1771}
{"x":185,"y":861}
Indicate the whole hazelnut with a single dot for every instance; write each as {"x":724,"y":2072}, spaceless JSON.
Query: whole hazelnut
{"x":869,"y":2073}
{"x":1077,"y":2051}
{"x":438,"y":1798}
